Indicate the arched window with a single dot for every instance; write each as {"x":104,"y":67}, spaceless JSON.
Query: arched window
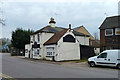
{"x":69,"y":38}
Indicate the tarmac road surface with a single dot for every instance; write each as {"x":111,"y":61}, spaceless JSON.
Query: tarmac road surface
{"x":22,"y":68}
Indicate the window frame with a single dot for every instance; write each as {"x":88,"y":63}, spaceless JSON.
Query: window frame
{"x":102,"y":54}
{"x":108,"y":34}
{"x":115,"y":31}
{"x":51,"y":53}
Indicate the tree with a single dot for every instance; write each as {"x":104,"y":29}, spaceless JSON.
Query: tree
{"x":21,"y":37}
{"x":3,"y":41}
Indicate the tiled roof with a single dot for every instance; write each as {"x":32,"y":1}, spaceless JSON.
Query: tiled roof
{"x":83,"y":30}
{"x":79,"y":34}
{"x":111,"y":22}
{"x":56,"y":37}
{"x":50,"y":29}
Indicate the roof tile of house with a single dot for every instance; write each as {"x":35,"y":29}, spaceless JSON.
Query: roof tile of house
{"x":111,"y":22}
{"x":50,"y":29}
{"x":55,"y":38}
{"x":83,"y":30}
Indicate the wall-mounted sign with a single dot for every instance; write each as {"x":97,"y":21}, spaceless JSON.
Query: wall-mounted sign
{"x":117,"y":31}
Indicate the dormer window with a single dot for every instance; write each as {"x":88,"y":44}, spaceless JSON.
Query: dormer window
{"x":117,"y":31}
{"x":108,"y":32}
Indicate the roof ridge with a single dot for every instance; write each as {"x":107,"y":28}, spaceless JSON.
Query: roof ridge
{"x":110,"y":22}
{"x":113,"y":16}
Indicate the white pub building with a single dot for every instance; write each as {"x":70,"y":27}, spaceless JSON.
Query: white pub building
{"x":55,"y":43}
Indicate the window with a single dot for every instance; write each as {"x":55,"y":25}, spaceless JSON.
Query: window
{"x":38,"y":37}
{"x":33,"y":37}
{"x":69,"y":38}
{"x":117,"y":31}
{"x":103,"y":55}
{"x":36,"y":52}
{"x":50,"y":51}
{"x":108,"y":32}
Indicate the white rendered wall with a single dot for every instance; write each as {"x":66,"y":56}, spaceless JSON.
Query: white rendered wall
{"x":44,"y":37}
{"x":83,"y":40}
{"x":97,"y":51}
{"x":27,"y":46}
{"x":67,"y":50}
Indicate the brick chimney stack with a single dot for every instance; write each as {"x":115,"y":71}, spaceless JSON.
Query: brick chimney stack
{"x":70,"y":26}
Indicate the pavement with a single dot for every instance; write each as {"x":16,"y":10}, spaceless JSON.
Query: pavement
{"x":19,"y":67}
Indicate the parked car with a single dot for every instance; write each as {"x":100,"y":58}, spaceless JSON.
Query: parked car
{"x":106,"y":58}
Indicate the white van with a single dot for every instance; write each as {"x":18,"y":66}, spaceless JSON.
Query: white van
{"x":106,"y":58}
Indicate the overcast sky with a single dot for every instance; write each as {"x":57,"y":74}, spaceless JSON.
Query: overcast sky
{"x":36,"y":14}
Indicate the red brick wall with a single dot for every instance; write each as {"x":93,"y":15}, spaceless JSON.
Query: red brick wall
{"x":102,"y":37}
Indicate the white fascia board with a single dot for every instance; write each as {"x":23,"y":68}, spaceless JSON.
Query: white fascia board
{"x":50,"y":45}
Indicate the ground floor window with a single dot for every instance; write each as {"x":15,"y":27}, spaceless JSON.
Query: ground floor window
{"x":37,"y":52}
{"x":50,"y":51}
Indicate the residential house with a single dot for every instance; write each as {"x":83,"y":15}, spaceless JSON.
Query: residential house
{"x":83,"y":30}
{"x":92,"y":42}
{"x":55,"y":43}
{"x":110,"y":33}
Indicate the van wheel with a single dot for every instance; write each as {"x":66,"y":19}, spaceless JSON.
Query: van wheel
{"x":92,"y":64}
{"x":118,"y":66}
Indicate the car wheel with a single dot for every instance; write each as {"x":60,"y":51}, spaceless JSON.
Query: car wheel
{"x":92,"y":64}
{"x":118,"y":66}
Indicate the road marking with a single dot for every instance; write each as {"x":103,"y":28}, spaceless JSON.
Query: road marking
{"x":6,"y":77}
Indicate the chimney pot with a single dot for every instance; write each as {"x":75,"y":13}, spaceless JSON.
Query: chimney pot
{"x":52,"y":22}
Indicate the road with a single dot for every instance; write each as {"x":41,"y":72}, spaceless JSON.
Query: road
{"x":22,"y":68}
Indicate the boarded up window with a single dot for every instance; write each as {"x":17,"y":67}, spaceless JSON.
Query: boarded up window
{"x":69,"y":38}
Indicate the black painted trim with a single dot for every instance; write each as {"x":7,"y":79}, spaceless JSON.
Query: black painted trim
{"x":105,"y":63}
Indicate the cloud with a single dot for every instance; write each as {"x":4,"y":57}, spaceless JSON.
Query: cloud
{"x":59,"y":1}
{"x":35,"y":15}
